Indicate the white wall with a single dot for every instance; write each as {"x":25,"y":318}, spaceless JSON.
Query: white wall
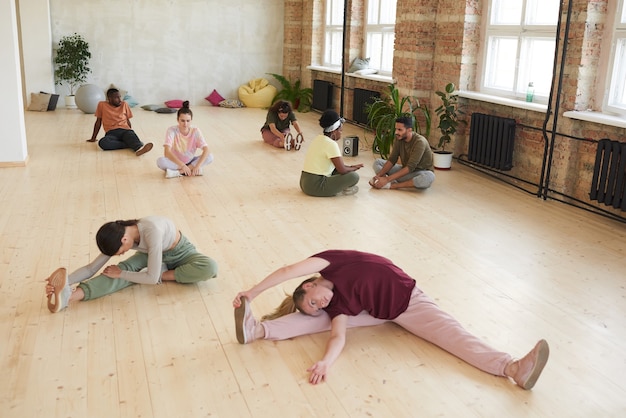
{"x":36,"y":41}
{"x":167,"y":49}
{"x":13,"y":139}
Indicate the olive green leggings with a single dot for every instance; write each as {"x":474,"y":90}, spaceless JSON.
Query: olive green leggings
{"x":188,"y":264}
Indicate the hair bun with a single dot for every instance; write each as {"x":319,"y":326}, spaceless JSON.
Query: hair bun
{"x":186,"y":104}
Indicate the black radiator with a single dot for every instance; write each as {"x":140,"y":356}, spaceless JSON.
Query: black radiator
{"x":491,"y":141}
{"x":608,"y":184}
{"x":322,"y":95}
{"x":361,"y":99}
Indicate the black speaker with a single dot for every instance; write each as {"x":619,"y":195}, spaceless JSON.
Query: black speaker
{"x":351,"y":146}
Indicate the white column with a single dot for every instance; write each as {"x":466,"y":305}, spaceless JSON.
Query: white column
{"x":13,"y":150}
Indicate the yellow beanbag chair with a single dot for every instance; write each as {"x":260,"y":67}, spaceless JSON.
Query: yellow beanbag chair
{"x":257,"y":93}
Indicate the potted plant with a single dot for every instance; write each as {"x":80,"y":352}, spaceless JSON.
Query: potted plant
{"x":448,"y":125}
{"x":72,"y":63}
{"x":299,"y":97}
{"x":383,"y":112}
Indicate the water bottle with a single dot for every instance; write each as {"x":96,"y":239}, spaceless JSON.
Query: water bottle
{"x":530,"y":92}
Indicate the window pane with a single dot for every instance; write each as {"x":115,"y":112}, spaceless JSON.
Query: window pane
{"x":536,"y":62}
{"x":506,"y":12}
{"x":387,"y":55}
{"x":542,"y":12}
{"x":500,"y":67}
{"x":374,"y":49}
{"x":372,"y":12}
{"x":334,"y":12}
{"x":617,"y":95}
{"x":388,"y":12}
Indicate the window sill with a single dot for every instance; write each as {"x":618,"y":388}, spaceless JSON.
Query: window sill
{"x":373,"y":77}
{"x":597,"y":117}
{"x":535,"y":107}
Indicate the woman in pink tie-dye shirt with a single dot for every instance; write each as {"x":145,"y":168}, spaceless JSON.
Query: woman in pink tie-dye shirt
{"x":181,"y":143}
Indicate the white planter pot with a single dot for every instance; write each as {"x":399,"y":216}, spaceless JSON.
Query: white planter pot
{"x":442,"y":160}
{"x":70,"y":102}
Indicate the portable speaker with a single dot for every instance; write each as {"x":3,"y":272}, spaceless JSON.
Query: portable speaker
{"x":351,"y":146}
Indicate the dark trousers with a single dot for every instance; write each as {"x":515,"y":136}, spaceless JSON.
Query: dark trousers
{"x":120,"y":139}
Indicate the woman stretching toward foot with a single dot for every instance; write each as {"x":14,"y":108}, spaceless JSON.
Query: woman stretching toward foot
{"x":163,"y":253}
{"x":359,"y":289}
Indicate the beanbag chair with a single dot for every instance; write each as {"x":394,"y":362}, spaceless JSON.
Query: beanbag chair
{"x":257,"y":93}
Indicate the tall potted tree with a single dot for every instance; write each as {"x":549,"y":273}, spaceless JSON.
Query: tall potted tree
{"x":383,"y":111}
{"x":72,"y":64}
{"x":448,"y":124}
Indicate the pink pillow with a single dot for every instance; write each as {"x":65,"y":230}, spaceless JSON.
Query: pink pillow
{"x":214,"y":98}
{"x":174,"y":104}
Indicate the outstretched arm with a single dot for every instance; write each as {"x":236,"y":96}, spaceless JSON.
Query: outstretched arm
{"x":309,"y":265}
{"x":342,"y":168}
{"x":333,"y":348}
{"x":96,"y":129}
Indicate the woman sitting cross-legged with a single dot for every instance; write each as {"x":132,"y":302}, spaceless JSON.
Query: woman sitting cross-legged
{"x":163,"y":254}
{"x":359,"y":289}
{"x":181,"y":143}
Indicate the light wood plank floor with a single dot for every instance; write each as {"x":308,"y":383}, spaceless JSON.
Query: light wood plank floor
{"x":511,"y":267}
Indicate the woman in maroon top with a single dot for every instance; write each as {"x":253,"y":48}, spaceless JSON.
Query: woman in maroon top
{"x":358,"y":289}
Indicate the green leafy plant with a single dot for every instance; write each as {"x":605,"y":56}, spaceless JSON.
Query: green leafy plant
{"x":448,"y":114}
{"x":72,"y":61}
{"x":383,"y":112}
{"x":300,"y":98}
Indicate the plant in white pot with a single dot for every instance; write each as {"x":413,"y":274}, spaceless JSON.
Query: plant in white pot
{"x":72,"y":63}
{"x":448,"y":124}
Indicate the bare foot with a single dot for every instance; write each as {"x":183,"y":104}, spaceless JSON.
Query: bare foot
{"x":91,"y":140}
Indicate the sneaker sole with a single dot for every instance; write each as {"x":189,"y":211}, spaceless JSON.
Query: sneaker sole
{"x":299,"y":140}
{"x":146,"y":148}
{"x":542,"y":359}
{"x":240,"y":314}
{"x":58,"y":279}
{"x":288,"y":139}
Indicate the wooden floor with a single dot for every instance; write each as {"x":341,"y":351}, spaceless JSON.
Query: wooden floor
{"x":511,"y":267}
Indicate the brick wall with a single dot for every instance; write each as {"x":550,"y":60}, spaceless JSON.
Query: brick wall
{"x":438,"y":41}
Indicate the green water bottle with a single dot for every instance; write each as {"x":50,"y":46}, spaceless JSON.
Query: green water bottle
{"x":530,"y":92}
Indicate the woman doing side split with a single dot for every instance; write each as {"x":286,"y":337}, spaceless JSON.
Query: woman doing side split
{"x":324,"y":173}
{"x":276,"y":130}
{"x":181,"y":143}
{"x":163,"y":254}
{"x":360,"y":289}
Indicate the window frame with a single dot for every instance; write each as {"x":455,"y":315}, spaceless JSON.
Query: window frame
{"x":384,"y":30}
{"x":616,"y":74}
{"x":522,"y":33}
{"x":331,"y":30}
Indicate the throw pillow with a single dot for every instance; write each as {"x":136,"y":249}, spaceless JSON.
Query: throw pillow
{"x":231,"y":103}
{"x":39,"y":102}
{"x":54,"y":98}
{"x":174,"y":104}
{"x":151,"y":107}
{"x":214,"y":98}
{"x":166,"y":110}
{"x":359,"y":64}
{"x":130,"y":100}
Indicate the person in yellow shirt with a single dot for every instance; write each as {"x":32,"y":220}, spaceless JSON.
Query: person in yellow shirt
{"x":114,"y":116}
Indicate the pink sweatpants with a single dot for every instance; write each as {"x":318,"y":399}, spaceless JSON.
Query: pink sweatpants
{"x":270,"y":138}
{"x":422,"y":318}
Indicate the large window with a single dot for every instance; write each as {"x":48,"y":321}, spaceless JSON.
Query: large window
{"x":378,"y":25}
{"x":333,"y":31}
{"x":519,"y":47}
{"x":380,"y":34}
{"x":616,"y":97}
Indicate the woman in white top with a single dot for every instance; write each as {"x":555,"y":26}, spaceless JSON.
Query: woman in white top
{"x":163,"y":253}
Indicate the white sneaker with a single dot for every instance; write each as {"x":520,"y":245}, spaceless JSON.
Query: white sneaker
{"x":350,"y":190}
{"x":245,"y":323}
{"x":288,"y":139}
{"x":299,"y":141}
{"x":170,"y":174}
{"x":62,"y":290}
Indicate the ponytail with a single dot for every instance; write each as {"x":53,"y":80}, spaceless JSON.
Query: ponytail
{"x":290,"y":304}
